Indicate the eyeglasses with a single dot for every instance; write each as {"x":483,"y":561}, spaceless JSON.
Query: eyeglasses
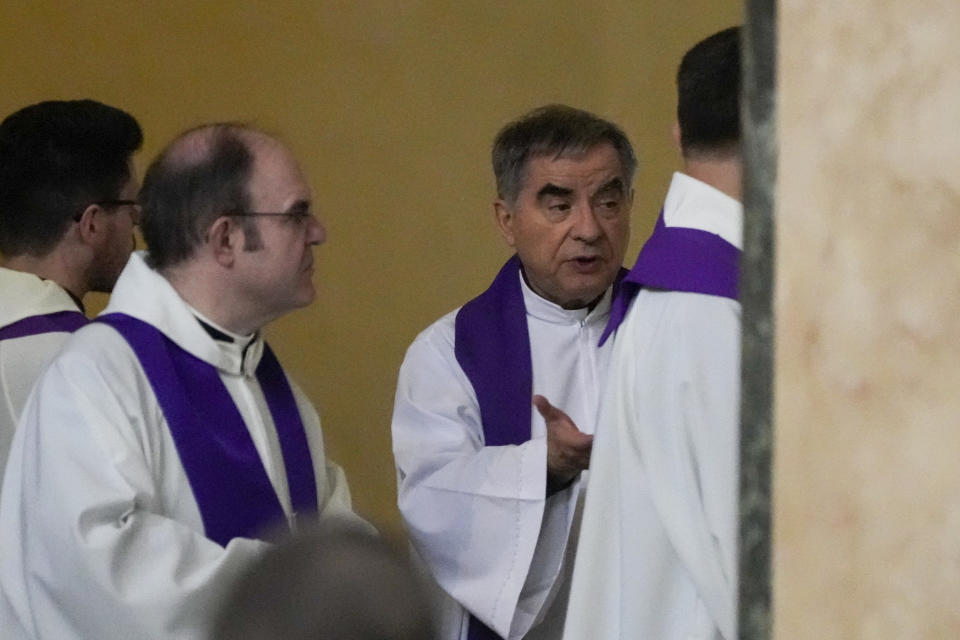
{"x":117,"y":203}
{"x":134,"y":212}
{"x":297,"y":216}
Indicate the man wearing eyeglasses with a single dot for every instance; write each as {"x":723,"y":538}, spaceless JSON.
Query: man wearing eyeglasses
{"x":165,"y":442}
{"x":67,"y":210}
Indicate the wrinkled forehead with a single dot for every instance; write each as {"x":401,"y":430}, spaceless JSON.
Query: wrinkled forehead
{"x":571,"y":159}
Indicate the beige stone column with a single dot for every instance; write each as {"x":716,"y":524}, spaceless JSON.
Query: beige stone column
{"x":867,"y":303}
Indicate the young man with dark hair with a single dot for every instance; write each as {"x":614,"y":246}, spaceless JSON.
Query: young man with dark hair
{"x":67,"y":210}
{"x":164,"y":442}
{"x":657,"y":556}
{"x":488,"y":488}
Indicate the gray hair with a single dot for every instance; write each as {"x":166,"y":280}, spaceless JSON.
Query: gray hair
{"x":553,"y":130}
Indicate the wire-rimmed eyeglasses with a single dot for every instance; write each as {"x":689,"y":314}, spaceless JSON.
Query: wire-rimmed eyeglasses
{"x":298,"y":216}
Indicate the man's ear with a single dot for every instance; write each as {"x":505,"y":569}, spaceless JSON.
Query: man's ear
{"x":91,"y":225}
{"x":505,"y":216}
{"x":224,"y":239}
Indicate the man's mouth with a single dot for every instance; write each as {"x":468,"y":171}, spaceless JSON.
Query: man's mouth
{"x":586,"y":263}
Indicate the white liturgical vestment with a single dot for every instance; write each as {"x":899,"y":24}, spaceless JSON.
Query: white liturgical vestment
{"x":102,"y":536}
{"x":657,"y":555}
{"x":478,"y":516}
{"x":21,"y":359}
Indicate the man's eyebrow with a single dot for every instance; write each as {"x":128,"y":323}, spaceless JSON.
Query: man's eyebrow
{"x":552,"y":190}
{"x":616,"y":184}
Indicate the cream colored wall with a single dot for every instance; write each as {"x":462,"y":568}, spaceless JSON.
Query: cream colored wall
{"x":867,"y":488}
{"x":391,"y":106}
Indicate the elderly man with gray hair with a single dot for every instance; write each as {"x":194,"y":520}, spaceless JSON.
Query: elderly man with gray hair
{"x":489,"y":489}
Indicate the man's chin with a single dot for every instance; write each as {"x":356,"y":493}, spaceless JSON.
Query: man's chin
{"x":581,"y":299}
{"x":103,"y":286}
{"x":306,"y":298}
{"x":586,"y":294}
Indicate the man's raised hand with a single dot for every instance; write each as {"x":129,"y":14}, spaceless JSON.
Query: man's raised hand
{"x":568,"y":448}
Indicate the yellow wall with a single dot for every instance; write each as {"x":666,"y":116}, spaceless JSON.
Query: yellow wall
{"x":391,"y":106}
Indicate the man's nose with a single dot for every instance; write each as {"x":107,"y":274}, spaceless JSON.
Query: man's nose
{"x":585,"y":225}
{"x":316,"y":232}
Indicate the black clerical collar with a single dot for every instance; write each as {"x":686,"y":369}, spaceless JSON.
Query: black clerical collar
{"x":215,"y":333}
{"x":220,"y":336}
{"x":77,"y":301}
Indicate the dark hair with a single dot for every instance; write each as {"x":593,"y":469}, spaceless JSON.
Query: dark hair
{"x":56,"y":158}
{"x":200,"y":176}
{"x":555,"y":130}
{"x":708,"y":95}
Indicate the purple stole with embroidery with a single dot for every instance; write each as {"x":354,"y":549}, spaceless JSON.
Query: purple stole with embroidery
{"x":678,"y":259}
{"x":492,"y":346}
{"x":61,"y":321}
{"x":226,"y":475}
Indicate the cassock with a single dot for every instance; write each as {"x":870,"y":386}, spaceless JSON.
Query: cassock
{"x":35,"y":319}
{"x":657,"y":557}
{"x":105,"y":531}
{"x":477,"y":514}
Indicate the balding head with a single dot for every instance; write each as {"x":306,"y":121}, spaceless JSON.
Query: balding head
{"x":196,"y":146}
{"x":201,"y":175}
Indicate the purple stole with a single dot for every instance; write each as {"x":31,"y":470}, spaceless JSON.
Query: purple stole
{"x":678,"y":259}
{"x":61,"y":321}
{"x":492,"y":346}
{"x":226,"y":475}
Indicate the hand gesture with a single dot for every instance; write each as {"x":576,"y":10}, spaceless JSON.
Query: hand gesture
{"x":568,"y":449}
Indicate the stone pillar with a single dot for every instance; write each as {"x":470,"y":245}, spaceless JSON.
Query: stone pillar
{"x":866,"y":514}
{"x":758,"y":114}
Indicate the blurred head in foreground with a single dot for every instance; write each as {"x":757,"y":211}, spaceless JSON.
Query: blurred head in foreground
{"x":341,"y":584}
